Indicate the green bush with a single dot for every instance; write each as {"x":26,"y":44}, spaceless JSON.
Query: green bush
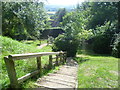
{"x":103,"y":39}
{"x":116,"y":47}
{"x":101,"y":44}
{"x":64,"y":43}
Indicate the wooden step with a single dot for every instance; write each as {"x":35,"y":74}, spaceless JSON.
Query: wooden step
{"x":63,"y":82}
{"x":64,"y":78}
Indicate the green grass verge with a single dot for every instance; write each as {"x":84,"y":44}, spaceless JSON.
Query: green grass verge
{"x":97,"y":71}
{"x":10,"y":46}
{"x":34,"y":42}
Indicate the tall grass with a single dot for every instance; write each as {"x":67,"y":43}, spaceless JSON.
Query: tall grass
{"x":10,"y":46}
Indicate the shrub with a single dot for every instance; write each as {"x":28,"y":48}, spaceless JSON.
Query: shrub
{"x":101,"y":44}
{"x":116,"y":47}
{"x":64,"y":43}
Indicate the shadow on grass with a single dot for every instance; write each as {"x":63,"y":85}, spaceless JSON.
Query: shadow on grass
{"x":91,"y":53}
{"x":81,"y":59}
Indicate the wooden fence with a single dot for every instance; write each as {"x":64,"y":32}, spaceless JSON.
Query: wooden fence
{"x":9,"y":61}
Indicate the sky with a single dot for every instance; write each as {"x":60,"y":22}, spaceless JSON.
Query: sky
{"x":63,"y":2}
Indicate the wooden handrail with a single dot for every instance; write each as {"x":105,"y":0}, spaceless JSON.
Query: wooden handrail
{"x":9,"y":61}
{"x":30,"y":55}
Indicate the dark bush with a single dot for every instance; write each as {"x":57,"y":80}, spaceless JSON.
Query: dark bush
{"x":64,"y":43}
{"x":101,"y":44}
{"x":103,"y":39}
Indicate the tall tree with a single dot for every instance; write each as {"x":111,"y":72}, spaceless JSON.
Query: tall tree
{"x":59,"y":17}
{"x":23,"y":19}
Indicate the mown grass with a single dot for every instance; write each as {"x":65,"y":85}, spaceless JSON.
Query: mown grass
{"x":97,"y":71}
{"x":35,"y":42}
{"x":23,"y":67}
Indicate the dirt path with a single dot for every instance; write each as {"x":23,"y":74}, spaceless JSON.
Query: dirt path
{"x":65,"y":77}
{"x":41,"y":46}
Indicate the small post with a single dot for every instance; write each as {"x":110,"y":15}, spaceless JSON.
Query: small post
{"x":11,"y":72}
{"x":39,"y":65}
{"x":65,"y":56}
{"x":61,"y":61}
{"x":50,"y":61}
{"x":57,"y":60}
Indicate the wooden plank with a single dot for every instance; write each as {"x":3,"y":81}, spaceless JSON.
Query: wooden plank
{"x":39,"y":65}
{"x":11,"y":72}
{"x":27,"y":76}
{"x":50,"y":61}
{"x":30,"y":55}
{"x":54,"y":57}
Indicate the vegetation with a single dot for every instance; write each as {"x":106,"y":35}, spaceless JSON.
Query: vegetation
{"x":91,"y":25}
{"x":34,"y":42}
{"x":66,"y":44}
{"x":22,"y":67}
{"x":116,"y":46}
{"x":97,"y":71}
{"x":23,"y":20}
{"x":58,"y":17}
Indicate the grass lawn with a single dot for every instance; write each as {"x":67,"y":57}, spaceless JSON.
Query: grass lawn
{"x":34,"y":42}
{"x":97,"y":71}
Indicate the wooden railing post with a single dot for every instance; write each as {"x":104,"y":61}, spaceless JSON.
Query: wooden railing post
{"x":57,"y":60}
{"x":39,"y":65}
{"x":65,"y":57}
{"x":50,"y":61}
{"x":11,"y":72}
{"x":61,"y":59}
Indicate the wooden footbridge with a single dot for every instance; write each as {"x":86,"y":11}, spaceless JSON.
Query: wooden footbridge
{"x":65,"y":77}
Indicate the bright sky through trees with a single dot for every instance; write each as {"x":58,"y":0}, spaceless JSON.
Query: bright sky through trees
{"x":64,"y":2}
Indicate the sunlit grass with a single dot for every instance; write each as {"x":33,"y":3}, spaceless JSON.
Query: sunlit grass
{"x":97,"y":71}
{"x":35,"y":42}
{"x":23,"y":67}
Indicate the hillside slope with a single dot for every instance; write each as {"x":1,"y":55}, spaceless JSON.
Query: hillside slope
{"x":10,"y":46}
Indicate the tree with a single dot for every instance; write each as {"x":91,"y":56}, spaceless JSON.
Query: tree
{"x":59,"y":17}
{"x":95,"y":21}
{"x":22,"y":20}
{"x":74,"y":34}
{"x":102,"y":20}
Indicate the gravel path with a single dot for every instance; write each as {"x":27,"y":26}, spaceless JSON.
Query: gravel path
{"x":41,"y":46}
